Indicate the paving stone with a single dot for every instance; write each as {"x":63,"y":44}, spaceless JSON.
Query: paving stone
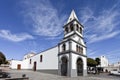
{"x":44,"y":76}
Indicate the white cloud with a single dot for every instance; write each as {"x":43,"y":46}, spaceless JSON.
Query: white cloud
{"x":43,"y":17}
{"x":86,"y":14}
{"x":6,"y":34}
{"x":96,"y":38}
{"x":91,"y":52}
{"x":100,"y":27}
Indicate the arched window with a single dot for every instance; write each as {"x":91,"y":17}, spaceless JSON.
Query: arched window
{"x":41,"y":58}
{"x":71,"y":27}
{"x":66,"y":29}
{"x":81,"y":50}
{"x":77,"y":27}
{"x":80,"y":30}
{"x":63,"y":47}
{"x":77,"y":49}
{"x":30,"y":61}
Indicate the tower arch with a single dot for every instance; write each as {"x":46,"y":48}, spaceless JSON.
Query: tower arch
{"x":64,"y":65}
{"x":79,"y":66}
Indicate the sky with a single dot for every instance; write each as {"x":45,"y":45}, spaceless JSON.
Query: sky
{"x":36,"y":25}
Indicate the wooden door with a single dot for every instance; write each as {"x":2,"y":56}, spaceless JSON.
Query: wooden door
{"x":35,"y":65}
{"x":18,"y":66}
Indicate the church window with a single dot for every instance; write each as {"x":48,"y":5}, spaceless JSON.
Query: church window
{"x":77,"y":27}
{"x":80,"y":30}
{"x":63,"y":47}
{"x":71,"y":27}
{"x":41,"y":58}
{"x":30,"y":61}
{"x":81,"y":50}
{"x":66,"y":29}
{"x":77,"y":48}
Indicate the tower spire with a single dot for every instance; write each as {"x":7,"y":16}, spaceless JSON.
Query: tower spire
{"x":72,"y":16}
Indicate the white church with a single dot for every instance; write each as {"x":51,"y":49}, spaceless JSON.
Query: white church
{"x":68,"y":58}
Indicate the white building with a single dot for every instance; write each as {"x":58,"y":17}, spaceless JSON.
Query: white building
{"x":103,"y":61}
{"x":103,"y":64}
{"x":113,"y":67}
{"x":29,"y":55}
{"x":68,"y":58}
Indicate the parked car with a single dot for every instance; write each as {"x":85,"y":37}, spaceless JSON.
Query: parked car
{"x":115,"y":73}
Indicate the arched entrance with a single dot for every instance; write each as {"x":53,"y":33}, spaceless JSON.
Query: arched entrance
{"x":64,"y":66}
{"x":79,"y":67}
{"x":34,"y":67}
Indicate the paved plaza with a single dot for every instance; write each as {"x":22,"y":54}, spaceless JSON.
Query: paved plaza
{"x":44,"y":76}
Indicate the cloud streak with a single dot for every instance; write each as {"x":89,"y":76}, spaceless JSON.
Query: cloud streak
{"x":43,"y":17}
{"x":100,"y":27}
{"x":6,"y":34}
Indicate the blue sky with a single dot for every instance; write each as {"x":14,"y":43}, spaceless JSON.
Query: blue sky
{"x":36,"y":25}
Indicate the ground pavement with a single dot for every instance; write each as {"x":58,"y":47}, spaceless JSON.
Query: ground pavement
{"x":44,"y":76}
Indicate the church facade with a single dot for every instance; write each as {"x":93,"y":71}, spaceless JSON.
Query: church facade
{"x":68,"y":58}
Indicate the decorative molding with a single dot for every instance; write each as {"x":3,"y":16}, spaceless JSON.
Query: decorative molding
{"x":69,"y":39}
{"x":70,"y":51}
{"x":74,"y":32}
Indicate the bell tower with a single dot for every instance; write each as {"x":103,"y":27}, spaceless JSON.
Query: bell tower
{"x":72,"y":59}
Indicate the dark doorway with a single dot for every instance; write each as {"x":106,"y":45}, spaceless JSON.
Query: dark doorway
{"x":79,"y":67}
{"x":64,"y":66}
{"x":34,"y":67}
{"x":19,"y":67}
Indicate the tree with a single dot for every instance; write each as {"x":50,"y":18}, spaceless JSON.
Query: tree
{"x":91,"y":62}
{"x":2,"y":58}
{"x":98,"y":61}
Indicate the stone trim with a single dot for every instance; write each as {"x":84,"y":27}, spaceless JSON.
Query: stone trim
{"x":73,"y":41}
{"x":68,"y":51}
{"x":73,"y":34}
{"x":78,"y":43}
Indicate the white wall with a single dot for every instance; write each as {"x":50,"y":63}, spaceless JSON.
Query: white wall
{"x":14,"y":63}
{"x":103,"y":61}
{"x":50,"y":60}
{"x":24,"y":64}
